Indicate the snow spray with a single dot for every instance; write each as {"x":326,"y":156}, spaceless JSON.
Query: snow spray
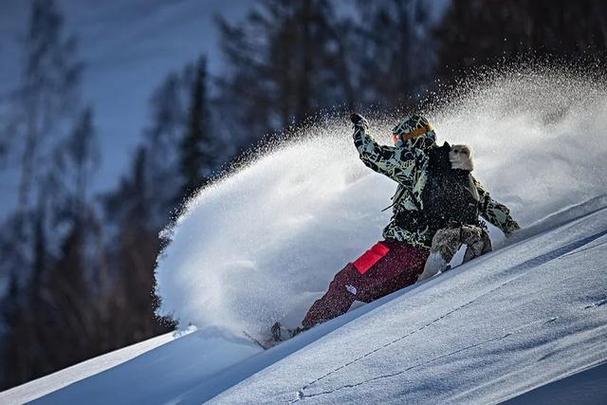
{"x":262,"y":243}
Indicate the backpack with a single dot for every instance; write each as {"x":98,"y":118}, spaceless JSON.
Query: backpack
{"x":449,"y":196}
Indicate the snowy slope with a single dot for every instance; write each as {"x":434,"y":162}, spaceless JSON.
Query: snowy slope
{"x":261,"y":244}
{"x":528,"y":314}
{"x":509,"y":322}
{"x":585,"y":387}
{"x":42,"y":386}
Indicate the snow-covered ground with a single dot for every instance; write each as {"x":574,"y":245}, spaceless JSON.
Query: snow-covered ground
{"x":42,"y":386}
{"x":514,"y":320}
{"x":524,"y":316}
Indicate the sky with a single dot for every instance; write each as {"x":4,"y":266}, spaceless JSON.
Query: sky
{"x":128,"y":47}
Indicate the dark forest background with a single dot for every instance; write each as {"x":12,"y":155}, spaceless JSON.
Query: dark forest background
{"x":80,"y":266}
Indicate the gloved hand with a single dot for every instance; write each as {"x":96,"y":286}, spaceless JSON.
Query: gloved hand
{"x":359,"y":121}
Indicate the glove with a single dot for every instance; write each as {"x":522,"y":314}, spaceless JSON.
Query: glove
{"x":359,"y":121}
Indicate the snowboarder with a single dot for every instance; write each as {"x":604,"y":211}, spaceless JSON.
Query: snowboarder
{"x":398,"y":260}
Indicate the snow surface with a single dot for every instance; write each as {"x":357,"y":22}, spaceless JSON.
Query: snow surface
{"x":511,"y":321}
{"x":161,"y":375}
{"x":585,"y":387}
{"x":42,"y":386}
{"x":526,"y":315}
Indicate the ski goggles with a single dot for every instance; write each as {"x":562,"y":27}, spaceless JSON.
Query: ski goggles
{"x":413,"y":134}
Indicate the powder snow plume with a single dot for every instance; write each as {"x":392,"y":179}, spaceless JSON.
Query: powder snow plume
{"x":261,"y":244}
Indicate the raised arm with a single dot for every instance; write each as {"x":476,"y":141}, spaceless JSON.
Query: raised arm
{"x":396,"y":163}
{"x":494,"y":212}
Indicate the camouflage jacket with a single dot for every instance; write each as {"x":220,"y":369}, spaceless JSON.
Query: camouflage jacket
{"x":408,"y":167}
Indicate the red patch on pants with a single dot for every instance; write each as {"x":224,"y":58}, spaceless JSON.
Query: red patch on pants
{"x":371,"y":256}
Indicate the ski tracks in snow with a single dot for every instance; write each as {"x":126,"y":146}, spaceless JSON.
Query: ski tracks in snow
{"x":302,"y":395}
{"x":596,"y":304}
{"x":526,"y":265}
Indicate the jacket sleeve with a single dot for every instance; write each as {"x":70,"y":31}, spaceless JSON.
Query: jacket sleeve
{"x":396,"y":163}
{"x":494,"y":212}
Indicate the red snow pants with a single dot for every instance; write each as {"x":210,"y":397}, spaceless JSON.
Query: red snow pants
{"x":387,"y":267}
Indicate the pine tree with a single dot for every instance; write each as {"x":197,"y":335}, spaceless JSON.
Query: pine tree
{"x":197,"y":154}
{"x":162,"y":141}
{"x":47,"y":94}
{"x":396,"y":58}
{"x":80,"y":155}
{"x":41,"y":109}
{"x":129,"y":301}
{"x":54,"y":222}
{"x":285,"y":62}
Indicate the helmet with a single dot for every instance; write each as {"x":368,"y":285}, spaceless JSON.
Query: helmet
{"x":415,"y":131}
